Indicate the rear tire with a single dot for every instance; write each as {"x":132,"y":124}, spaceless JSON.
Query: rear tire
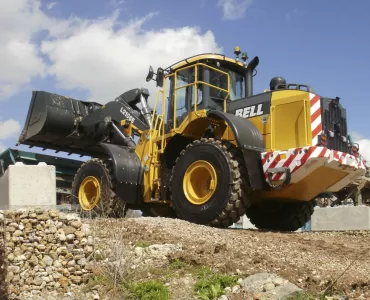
{"x":101,"y":173}
{"x":222,"y":200}
{"x":280,"y":216}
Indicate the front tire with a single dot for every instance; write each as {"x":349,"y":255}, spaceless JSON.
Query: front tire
{"x":93,"y":188}
{"x":209,"y":184}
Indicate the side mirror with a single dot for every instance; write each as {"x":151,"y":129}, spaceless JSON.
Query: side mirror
{"x":150,"y":74}
{"x":160,"y":77}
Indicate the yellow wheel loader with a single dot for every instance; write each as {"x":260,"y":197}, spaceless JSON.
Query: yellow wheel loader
{"x":209,"y":151}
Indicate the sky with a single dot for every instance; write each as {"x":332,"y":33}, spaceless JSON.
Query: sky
{"x":96,"y":49}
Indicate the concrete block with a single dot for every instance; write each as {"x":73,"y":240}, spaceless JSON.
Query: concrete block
{"x":341,"y":218}
{"x":28,"y":185}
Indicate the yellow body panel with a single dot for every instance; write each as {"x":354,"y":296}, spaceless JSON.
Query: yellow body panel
{"x":309,"y":187}
{"x":290,"y":120}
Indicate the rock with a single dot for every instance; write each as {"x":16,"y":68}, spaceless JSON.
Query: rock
{"x":11,"y":257}
{"x":33,"y":260}
{"x":162,"y":249}
{"x":253,"y":285}
{"x":96,"y":297}
{"x":47,"y":260}
{"x":79,"y":234}
{"x":278,"y":281}
{"x":68,"y":230}
{"x":70,"y":237}
{"x":15,"y":225}
{"x":57,"y":264}
{"x":52,"y":229}
{"x":227,"y":290}
{"x":17,"y":233}
{"x":223,"y":297}
{"x":62,"y":237}
{"x":71,"y":263}
{"x":235,"y":288}
{"x":10,"y":229}
{"x":43,"y":217}
{"x":76,"y":224}
{"x":81,"y":262}
{"x":14,"y":269}
{"x":63,"y":281}
{"x":76,"y":279}
{"x":37,"y":281}
{"x":54,"y":213}
{"x":41,"y":247}
{"x":268,"y":287}
{"x":10,"y":276}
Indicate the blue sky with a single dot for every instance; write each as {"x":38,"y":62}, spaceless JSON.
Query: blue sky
{"x":320,"y":43}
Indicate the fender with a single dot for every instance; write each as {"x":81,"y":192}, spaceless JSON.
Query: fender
{"x":128,"y":171}
{"x":250,"y":141}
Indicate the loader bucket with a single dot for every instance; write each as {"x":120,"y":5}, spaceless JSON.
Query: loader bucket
{"x":50,"y":124}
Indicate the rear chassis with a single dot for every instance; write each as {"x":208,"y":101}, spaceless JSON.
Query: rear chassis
{"x":309,"y":171}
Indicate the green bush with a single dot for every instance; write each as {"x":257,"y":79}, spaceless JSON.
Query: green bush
{"x":148,"y":290}
{"x":211,"y":285}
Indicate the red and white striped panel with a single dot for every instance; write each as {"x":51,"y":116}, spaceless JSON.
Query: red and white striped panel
{"x":316,"y":125}
{"x":313,"y":156}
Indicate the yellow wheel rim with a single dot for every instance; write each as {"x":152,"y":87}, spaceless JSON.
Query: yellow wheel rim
{"x":89,"y":193}
{"x":200,"y":182}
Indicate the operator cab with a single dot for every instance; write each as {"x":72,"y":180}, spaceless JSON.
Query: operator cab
{"x":203,"y":81}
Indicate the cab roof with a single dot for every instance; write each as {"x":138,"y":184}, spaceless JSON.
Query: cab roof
{"x":212,"y":56}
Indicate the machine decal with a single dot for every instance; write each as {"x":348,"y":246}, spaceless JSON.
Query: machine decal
{"x":316,"y":125}
{"x":250,"y":111}
{"x":127,"y":115}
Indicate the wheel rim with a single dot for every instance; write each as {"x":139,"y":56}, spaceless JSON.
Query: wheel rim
{"x":200,"y":182}
{"x":89,"y":193}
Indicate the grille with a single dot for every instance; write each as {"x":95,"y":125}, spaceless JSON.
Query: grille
{"x":334,"y":122}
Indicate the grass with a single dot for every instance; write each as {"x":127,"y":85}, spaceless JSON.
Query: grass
{"x":211,"y":285}
{"x":148,"y":290}
{"x":178,"y":264}
{"x":142,"y":244}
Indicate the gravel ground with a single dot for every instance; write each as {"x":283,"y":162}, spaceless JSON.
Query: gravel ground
{"x":310,"y":260}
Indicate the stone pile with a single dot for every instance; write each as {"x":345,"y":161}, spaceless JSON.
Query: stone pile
{"x":3,"y":268}
{"x":45,"y":250}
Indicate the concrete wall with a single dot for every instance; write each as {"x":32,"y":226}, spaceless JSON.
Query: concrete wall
{"x":23,"y":186}
{"x":341,"y":218}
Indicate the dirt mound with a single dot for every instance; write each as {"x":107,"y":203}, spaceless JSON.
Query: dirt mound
{"x":310,"y":260}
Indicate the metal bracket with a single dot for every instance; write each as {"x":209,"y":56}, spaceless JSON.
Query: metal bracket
{"x":272,"y":171}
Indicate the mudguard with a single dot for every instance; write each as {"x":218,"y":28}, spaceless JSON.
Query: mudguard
{"x":250,"y":141}
{"x":128,"y":171}
{"x":246,"y":134}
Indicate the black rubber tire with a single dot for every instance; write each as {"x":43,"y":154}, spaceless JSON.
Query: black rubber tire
{"x":110,"y":205}
{"x":277,"y":215}
{"x":229,"y":201}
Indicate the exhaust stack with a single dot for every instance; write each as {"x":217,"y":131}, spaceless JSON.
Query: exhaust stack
{"x":249,"y":76}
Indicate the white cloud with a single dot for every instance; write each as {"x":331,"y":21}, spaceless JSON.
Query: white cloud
{"x":234,"y":9}
{"x":51,"y":5}
{"x":9,"y":128}
{"x":2,"y":147}
{"x":19,"y":60}
{"x":107,"y":62}
{"x":88,"y":54}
